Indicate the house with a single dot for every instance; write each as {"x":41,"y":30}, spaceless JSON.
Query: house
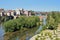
{"x":27,"y":13}
{"x":22,"y":12}
{"x":38,"y":14}
{"x":17,"y":12}
{"x":2,"y":12}
{"x":8,"y":12}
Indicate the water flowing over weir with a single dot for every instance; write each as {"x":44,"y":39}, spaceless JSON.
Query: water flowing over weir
{"x":27,"y":34}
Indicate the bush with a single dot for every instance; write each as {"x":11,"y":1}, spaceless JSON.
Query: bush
{"x":23,"y":21}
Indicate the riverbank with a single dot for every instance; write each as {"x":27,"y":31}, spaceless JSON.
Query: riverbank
{"x":36,"y":36}
{"x":48,"y":34}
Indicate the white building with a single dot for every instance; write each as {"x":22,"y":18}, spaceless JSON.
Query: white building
{"x":17,"y":12}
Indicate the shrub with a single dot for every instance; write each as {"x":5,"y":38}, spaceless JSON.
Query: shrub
{"x":23,"y":21}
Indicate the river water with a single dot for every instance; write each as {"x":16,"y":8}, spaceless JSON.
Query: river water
{"x":25,"y":35}
{"x":1,"y":33}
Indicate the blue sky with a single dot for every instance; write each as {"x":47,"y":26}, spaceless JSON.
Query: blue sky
{"x":37,"y":5}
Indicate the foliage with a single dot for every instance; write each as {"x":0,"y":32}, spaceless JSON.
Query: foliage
{"x":32,"y":12}
{"x":53,"y":19}
{"x":22,"y":22}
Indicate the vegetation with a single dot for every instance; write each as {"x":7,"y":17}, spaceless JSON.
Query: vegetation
{"x":47,"y":35}
{"x":5,"y":18}
{"x":22,"y":22}
{"x":52,"y":20}
{"x":2,"y":19}
{"x":32,"y":12}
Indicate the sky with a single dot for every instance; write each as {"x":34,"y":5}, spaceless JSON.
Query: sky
{"x":36,"y":5}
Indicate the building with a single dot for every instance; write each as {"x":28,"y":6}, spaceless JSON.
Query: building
{"x":37,"y":14}
{"x":27,"y":13}
{"x":8,"y":12}
{"x":2,"y":12}
{"x":18,"y":12}
{"x":22,"y":11}
{"x":15,"y":13}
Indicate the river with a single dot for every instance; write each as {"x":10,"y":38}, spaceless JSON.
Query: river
{"x":19,"y":35}
{"x":1,"y":33}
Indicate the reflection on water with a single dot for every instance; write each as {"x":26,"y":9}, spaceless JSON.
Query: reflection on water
{"x":1,"y":33}
{"x":21,"y":35}
{"x":40,"y":28}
